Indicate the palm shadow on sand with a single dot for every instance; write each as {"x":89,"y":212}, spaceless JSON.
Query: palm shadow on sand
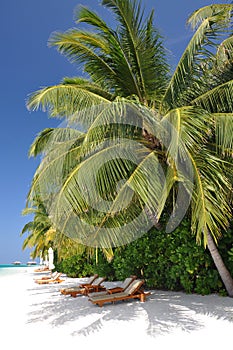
{"x":162,"y":313}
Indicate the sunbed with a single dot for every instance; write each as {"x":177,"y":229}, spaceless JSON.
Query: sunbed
{"x":125,"y":284}
{"x":85,"y":290}
{"x":56,"y":279}
{"x":90,"y":280}
{"x":42,"y":269}
{"x":50,"y":276}
{"x":133,"y":291}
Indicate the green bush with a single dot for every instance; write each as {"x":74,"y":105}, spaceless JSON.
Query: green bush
{"x":226,"y":247}
{"x":76,"y":266}
{"x":104,"y":268}
{"x":170,"y":261}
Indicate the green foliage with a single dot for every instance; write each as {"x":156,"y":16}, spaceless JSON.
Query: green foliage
{"x":226,"y":247}
{"x":168,"y":261}
{"x":171,"y":261}
{"x":127,"y":72}
{"x":104,"y":268}
{"x":76,"y":266}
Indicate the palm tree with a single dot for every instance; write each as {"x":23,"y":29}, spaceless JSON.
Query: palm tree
{"x":133,"y":124}
{"x":42,"y":234}
{"x":40,"y":230}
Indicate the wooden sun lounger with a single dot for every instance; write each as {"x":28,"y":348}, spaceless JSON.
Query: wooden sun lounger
{"x":48,"y":277}
{"x":42,"y":269}
{"x":134,"y":291}
{"x":51,"y":280}
{"x":90,"y":280}
{"x":85,"y":290}
{"x":116,"y":289}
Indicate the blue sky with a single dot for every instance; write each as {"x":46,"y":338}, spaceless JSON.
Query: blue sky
{"x":28,"y":64}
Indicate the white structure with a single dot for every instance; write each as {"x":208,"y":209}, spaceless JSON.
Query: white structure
{"x":51,"y":266}
{"x":46,"y":263}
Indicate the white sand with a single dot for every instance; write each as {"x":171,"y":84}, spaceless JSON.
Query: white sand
{"x":38,"y":316}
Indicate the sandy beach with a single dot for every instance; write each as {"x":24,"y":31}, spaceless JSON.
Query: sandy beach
{"x":38,"y":316}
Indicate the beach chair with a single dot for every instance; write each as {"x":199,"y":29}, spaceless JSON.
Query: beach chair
{"x":42,"y":269}
{"x":90,"y":280}
{"x":50,"y":276}
{"x":56,"y":279}
{"x":125,"y":284}
{"x":133,"y":291}
{"x":85,"y":290}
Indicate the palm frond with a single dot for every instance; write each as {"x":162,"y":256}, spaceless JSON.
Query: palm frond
{"x":40,"y":142}
{"x":53,"y":166}
{"x":224,"y":53}
{"x":79,"y":208}
{"x":27,"y":228}
{"x":64,"y":100}
{"x":222,"y":11}
{"x":29,"y":242}
{"x":84,"y":15}
{"x":189,"y":127}
{"x":224,"y":132}
{"x":183,"y":73}
{"x":89,"y":86}
{"x":84,"y":47}
{"x":218,"y":99}
{"x":116,"y":59}
{"x":48,"y":139}
{"x":185,"y":128}
{"x":142,"y":47}
{"x":197,"y":59}
{"x":210,"y":205}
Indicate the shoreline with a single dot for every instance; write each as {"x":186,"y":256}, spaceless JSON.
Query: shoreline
{"x":35,"y":315}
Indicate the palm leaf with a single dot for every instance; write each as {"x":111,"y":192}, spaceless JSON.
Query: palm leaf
{"x":142,"y":47}
{"x":224,"y":132}
{"x":70,"y":197}
{"x":222,"y":11}
{"x":85,"y":48}
{"x":224,"y":53}
{"x":89,"y":86}
{"x":210,"y":205}
{"x":40,"y":142}
{"x":218,"y":99}
{"x":83,"y":14}
{"x":48,"y":139}
{"x":116,"y":59}
{"x":64,"y":100}
{"x":182,"y":87}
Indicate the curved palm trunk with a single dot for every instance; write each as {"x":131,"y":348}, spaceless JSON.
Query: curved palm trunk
{"x":223,"y":271}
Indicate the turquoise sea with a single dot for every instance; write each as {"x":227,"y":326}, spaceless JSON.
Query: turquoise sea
{"x":10,"y":269}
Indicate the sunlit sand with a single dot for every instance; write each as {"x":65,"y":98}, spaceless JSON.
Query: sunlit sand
{"x":38,"y":316}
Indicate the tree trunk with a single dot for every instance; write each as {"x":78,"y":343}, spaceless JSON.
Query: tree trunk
{"x":223,"y":271}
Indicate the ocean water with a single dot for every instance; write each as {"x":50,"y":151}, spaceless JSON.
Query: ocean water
{"x":9,"y":270}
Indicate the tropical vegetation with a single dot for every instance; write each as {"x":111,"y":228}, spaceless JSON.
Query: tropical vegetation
{"x":140,"y":143}
{"x":167,"y":261}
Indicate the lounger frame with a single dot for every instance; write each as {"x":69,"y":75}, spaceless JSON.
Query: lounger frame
{"x":66,"y":291}
{"x":137,"y":293}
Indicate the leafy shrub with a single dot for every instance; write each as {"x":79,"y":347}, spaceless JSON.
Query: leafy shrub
{"x":171,"y":261}
{"x":76,"y":266}
{"x":104,"y":268}
{"x":226,"y":247}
